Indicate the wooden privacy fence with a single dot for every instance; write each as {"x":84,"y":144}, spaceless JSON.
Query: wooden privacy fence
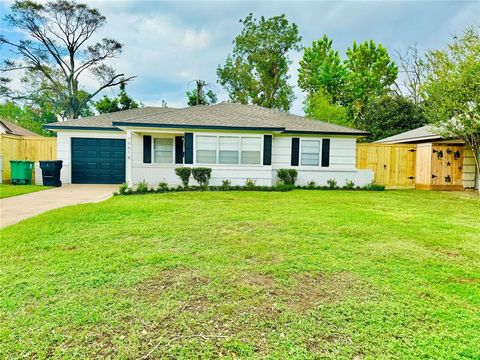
{"x":393,"y":165}
{"x":25,"y":148}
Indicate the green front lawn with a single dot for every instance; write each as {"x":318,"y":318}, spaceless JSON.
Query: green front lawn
{"x":7,"y":190}
{"x":303,"y":274}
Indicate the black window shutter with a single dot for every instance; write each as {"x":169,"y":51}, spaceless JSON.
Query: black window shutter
{"x":267,"y":150}
{"x":295,"y":151}
{"x":147,"y":149}
{"x":326,"y":152}
{"x":188,"y":148}
{"x":178,"y":149}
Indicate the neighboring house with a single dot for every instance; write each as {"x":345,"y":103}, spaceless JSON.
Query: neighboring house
{"x":9,"y":128}
{"x":443,"y":164}
{"x":238,"y":142}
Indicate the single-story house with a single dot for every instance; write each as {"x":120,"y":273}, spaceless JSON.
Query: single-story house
{"x":9,"y":128}
{"x":238,"y":142}
{"x":441,"y":164}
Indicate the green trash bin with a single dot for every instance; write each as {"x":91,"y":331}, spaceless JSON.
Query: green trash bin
{"x":21,"y":172}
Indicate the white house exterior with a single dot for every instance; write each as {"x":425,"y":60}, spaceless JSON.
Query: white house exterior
{"x":238,"y":142}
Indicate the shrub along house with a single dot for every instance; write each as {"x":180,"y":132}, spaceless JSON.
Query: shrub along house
{"x":238,"y":142}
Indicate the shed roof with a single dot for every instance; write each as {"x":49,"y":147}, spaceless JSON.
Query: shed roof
{"x":423,"y":133}
{"x":17,"y":130}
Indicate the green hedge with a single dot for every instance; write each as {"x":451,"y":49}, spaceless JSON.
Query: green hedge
{"x":163,"y":188}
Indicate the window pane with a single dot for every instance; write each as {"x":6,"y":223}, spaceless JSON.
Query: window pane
{"x":228,"y":143}
{"x":206,"y":149}
{"x":251,"y":144}
{"x":206,"y":156}
{"x":310,"y":159}
{"x":163,"y":151}
{"x":228,"y":157}
{"x":310,"y":146}
{"x":228,"y":150}
{"x":206,"y":143}
{"x":251,"y":150}
{"x":310,"y":152}
{"x":251,"y":157}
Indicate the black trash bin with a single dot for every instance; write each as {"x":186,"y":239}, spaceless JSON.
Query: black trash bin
{"x":51,"y":172}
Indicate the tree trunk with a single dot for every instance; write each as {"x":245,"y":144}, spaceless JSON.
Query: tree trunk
{"x":475,"y":146}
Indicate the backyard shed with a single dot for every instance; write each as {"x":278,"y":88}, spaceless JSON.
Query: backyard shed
{"x":441,"y":164}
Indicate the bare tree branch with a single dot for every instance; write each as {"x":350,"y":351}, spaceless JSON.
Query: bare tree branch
{"x":413,"y":67}
{"x":57,"y":49}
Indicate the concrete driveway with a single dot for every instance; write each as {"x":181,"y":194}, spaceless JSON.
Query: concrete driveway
{"x":17,"y":208}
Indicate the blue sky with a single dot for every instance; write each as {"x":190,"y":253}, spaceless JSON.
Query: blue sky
{"x":168,"y":44}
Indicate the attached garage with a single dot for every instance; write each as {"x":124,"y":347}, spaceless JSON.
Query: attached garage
{"x":98,"y":161}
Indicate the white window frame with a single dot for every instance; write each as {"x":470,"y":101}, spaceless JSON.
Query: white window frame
{"x":320,"y":141}
{"x":239,"y":136}
{"x":153,"y":150}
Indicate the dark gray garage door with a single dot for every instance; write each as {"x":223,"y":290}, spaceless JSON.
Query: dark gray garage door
{"x":98,"y":161}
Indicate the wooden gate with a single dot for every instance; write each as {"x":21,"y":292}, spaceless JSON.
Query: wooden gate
{"x":442,"y":166}
{"x":393,"y":165}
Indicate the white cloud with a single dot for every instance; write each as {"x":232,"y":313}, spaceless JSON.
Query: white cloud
{"x":168,"y":44}
{"x":193,"y":39}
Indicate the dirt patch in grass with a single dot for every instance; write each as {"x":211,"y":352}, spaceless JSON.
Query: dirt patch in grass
{"x":464,"y":280}
{"x":215,"y":313}
{"x":180,"y":279}
{"x":313,"y":289}
{"x":308,"y":289}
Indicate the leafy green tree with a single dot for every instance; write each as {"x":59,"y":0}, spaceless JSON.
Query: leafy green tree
{"x":119,"y":103}
{"x":391,"y":115}
{"x":452,"y":90}
{"x":58,"y":50}
{"x":207,"y":98}
{"x":322,"y":69}
{"x":367,"y":73}
{"x":370,"y":73}
{"x":319,"y":106}
{"x":257,"y":70}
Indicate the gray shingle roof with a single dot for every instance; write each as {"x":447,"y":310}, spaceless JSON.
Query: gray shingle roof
{"x":219,"y":116}
{"x":422,"y":133}
{"x":14,"y":129}
{"x":104,"y":121}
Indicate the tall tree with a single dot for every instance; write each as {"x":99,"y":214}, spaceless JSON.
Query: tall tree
{"x":320,"y":106}
{"x":58,"y":50}
{"x":413,"y":68}
{"x":119,"y":103}
{"x":391,"y":115}
{"x":257,"y":70}
{"x":452,"y":90}
{"x":322,"y":69}
{"x":371,"y":73}
{"x":48,"y":99}
{"x":198,"y":96}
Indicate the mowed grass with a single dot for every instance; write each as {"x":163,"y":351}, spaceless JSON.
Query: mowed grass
{"x":298,"y":275}
{"x":7,"y":190}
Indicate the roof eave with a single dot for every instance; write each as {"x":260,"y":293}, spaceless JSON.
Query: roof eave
{"x":412,"y":139}
{"x":71,"y":127}
{"x":206,"y":127}
{"x":349,"y":133}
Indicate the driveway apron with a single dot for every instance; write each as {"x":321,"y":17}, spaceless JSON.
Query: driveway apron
{"x":17,"y":208}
